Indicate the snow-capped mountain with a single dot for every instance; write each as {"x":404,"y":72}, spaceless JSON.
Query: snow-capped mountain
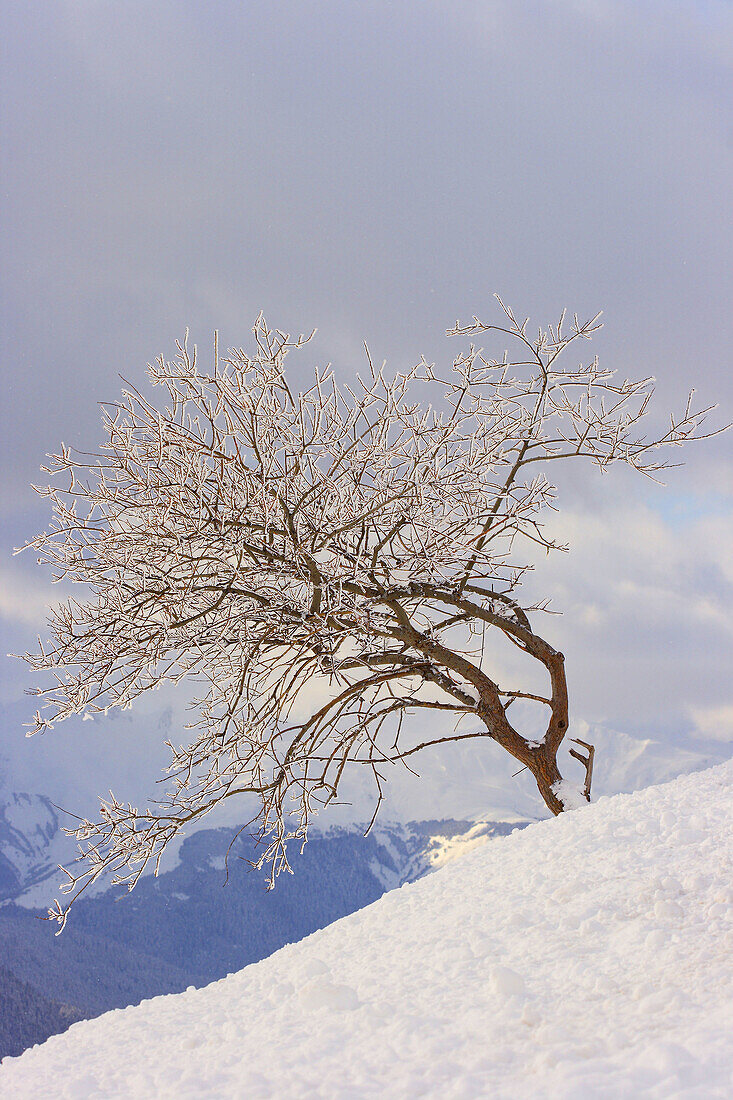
{"x":471,"y":781}
{"x":585,"y":956}
{"x":31,"y":843}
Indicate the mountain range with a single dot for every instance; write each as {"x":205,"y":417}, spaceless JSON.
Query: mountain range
{"x":191,"y":925}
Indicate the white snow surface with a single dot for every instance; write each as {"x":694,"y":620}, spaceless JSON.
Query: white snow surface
{"x":587,"y":956}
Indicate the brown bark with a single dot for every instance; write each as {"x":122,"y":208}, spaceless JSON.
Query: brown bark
{"x":540,"y":760}
{"x":547,"y":773}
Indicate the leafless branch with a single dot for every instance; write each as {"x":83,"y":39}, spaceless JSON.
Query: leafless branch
{"x":352,"y":541}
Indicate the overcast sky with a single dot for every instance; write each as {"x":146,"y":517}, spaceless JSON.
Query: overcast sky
{"x":378,"y":170}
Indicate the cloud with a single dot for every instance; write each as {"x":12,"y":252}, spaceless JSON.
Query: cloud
{"x":25,"y":600}
{"x":715,"y":723}
{"x":645,"y":607}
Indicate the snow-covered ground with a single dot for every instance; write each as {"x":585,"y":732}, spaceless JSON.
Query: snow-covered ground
{"x":586,"y":956}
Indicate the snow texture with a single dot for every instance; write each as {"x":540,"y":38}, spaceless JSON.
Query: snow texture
{"x":589,"y":956}
{"x":570,"y":796}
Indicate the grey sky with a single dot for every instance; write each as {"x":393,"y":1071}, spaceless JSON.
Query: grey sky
{"x":378,"y":170}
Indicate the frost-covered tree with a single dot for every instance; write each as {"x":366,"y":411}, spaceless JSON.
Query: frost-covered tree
{"x":323,"y":565}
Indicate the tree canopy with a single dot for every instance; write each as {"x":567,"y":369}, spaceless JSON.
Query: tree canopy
{"x":321,"y":565}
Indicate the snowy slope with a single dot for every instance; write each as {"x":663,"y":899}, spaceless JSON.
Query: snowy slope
{"x":586,"y":956}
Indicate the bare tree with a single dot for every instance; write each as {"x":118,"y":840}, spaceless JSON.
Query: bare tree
{"x":358,"y":542}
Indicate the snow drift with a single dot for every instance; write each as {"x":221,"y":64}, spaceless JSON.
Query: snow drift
{"x":586,"y":956}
